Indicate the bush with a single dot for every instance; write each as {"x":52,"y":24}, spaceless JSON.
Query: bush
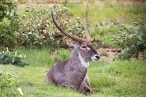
{"x":8,"y":23}
{"x":132,"y":39}
{"x":38,"y":30}
{"x":7,"y":57}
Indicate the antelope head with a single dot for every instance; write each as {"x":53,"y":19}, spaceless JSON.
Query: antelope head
{"x":85,"y":47}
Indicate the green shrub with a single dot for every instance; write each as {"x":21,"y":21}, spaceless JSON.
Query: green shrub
{"x":38,"y":30}
{"x":8,"y":23}
{"x":9,"y":85}
{"x":132,"y":39}
{"x":7,"y":57}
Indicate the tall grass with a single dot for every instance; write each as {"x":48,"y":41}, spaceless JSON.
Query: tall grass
{"x":103,"y":10}
{"x":107,"y":10}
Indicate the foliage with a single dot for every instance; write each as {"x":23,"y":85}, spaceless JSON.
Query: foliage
{"x":132,"y":39}
{"x":104,"y":12}
{"x":38,"y":30}
{"x":6,"y":7}
{"x":23,"y":1}
{"x":7,"y":57}
{"x":8,"y":23}
{"x":9,"y":85}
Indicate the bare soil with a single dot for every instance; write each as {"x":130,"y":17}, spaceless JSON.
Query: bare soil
{"x":37,"y":5}
{"x":110,"y":54}
{"x":125,"y":2}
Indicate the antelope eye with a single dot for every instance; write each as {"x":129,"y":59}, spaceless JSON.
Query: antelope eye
{"x":84,"y":46}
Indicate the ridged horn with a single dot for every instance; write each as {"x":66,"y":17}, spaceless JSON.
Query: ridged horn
{"x":88,"y":39}
{"x":75,"y":38}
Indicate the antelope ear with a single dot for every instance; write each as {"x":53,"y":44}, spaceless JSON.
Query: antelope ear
{"x":72,"y":43}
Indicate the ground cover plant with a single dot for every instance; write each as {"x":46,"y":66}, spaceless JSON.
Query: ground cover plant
{"x":7,"y":57}
{"x":117,"y":78}
{"x":9,"y":85}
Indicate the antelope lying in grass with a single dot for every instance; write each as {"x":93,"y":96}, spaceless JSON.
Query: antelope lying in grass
{"x":73,"y":73}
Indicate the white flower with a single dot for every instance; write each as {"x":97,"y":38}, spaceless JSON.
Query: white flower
{"x":20,"y":91}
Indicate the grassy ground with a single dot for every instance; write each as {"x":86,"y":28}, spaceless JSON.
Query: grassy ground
{"x":119,"y":78}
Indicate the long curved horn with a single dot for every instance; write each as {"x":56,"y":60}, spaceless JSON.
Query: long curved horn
{"x":86,"y":28}
{"x":80,"y":40}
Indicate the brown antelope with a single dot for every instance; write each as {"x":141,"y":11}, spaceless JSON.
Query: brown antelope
{"x":73,"y":73}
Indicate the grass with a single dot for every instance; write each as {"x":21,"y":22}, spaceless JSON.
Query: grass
{"x":106,"y":10}
{"x":119,"y":78}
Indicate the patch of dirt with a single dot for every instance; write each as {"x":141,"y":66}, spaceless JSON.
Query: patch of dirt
{"x":38,"y":5}
{"x":125,"y":2}
{"x":109,"y":54}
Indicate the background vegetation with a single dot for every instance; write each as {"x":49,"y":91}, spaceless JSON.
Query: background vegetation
{"x":27,"y":29}
{"x":8,"y":23}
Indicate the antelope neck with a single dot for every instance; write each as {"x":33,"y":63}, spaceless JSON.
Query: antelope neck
{"x":83,"y":62}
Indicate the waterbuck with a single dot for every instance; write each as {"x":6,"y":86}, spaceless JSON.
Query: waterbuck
{"x":73,"y":73}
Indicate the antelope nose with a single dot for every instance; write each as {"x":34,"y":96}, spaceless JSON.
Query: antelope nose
{"x":97,"y":57}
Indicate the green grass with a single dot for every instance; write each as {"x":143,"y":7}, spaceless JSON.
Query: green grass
{"x":119,"y":78}
{"x":107,"y":10}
